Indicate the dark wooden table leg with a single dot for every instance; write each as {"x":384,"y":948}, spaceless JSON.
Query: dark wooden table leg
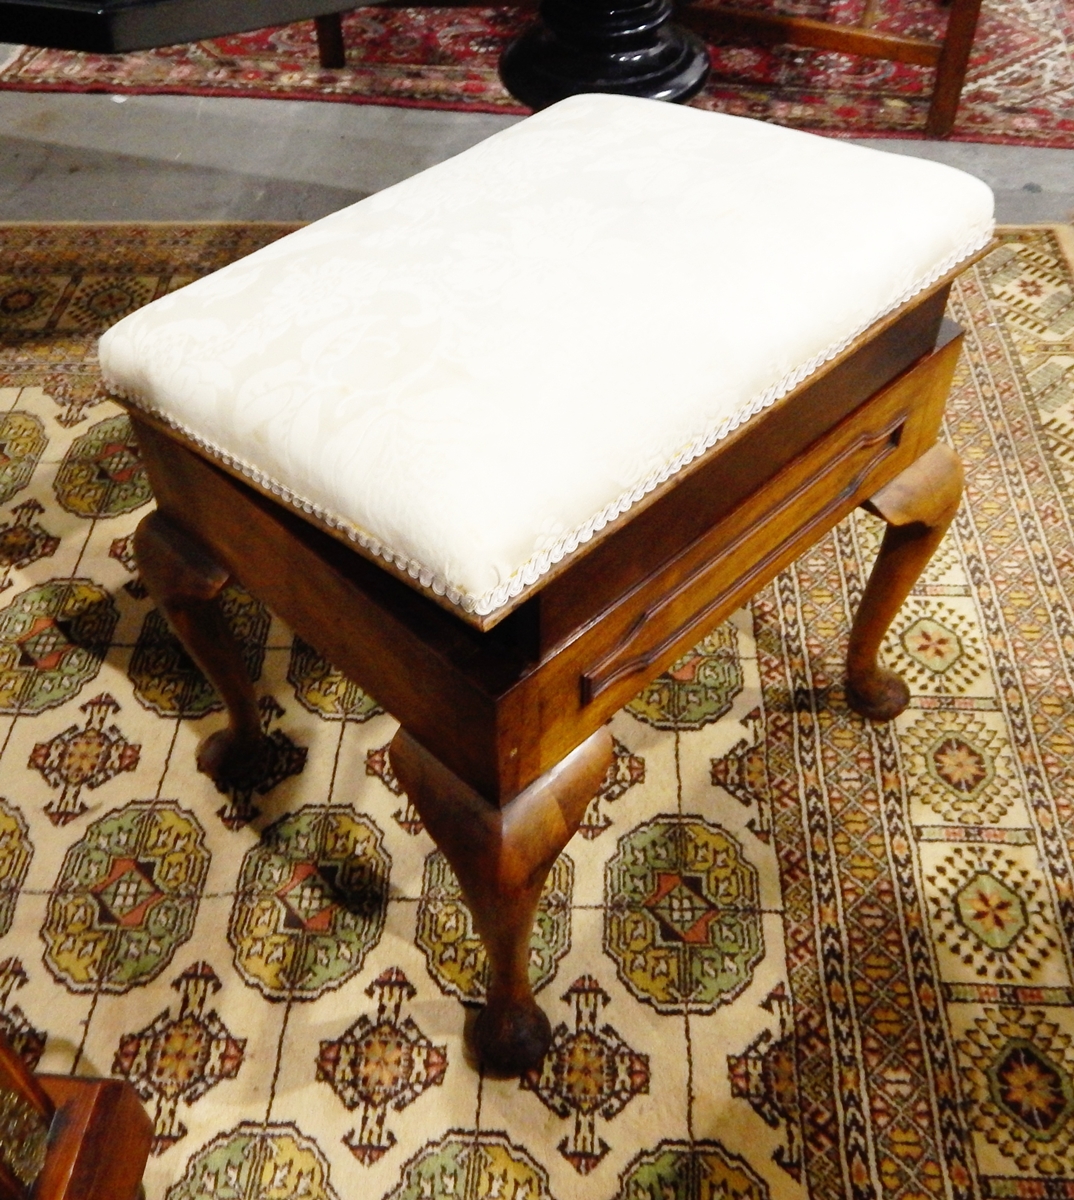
{"x":621,"y":46}
{"x":918,"y":506}
{"x":184,"y":581}
{"x":502,"y":857}
{"x":330,"y":48}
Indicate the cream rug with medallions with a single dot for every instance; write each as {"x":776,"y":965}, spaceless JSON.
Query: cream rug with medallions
{"x":789,"y":955}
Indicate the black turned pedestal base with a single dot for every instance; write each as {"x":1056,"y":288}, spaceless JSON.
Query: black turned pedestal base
{"x":603,"y":46}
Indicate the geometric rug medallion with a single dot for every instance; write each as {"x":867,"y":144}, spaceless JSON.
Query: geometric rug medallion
{"x":790,"y":955}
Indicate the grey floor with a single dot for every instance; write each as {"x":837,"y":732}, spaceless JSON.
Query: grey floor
{"x":98,"y":157}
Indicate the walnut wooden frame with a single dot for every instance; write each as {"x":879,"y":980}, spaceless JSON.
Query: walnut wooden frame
{"x":503,"y":740}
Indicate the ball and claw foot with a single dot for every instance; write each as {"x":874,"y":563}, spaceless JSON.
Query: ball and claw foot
{"x":501,"y":855}
{"x":228,"y":757}
{"x":185,"y":580}
{"x":509,"y":1041}
{"x":880,"y":696}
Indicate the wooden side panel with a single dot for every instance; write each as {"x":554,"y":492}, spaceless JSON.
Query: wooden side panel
{"x":428,"y":669}
{"x":28,"y":1112}
{"x":606,"y":666}
{"x":682,"y":509}
{"x":481,"y":701}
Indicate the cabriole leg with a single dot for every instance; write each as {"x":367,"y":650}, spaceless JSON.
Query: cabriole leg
{"x":184,"y":581}
{"x":918,"y":506}
{"x":502,"y":857}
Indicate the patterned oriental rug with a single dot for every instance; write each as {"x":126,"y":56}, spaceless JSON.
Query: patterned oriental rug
{"x":790,"y":954}
{"x":1020,"y":87}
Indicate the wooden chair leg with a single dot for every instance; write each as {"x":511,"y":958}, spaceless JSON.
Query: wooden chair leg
{"x":918,"y":506}
{"x":330,"y":48}
{"x":951,"y":69}
{"x":184,"y":581}
{"x":502,"y":857}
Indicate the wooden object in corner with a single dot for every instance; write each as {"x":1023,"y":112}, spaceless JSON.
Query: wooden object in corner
{"x":66,"y":1138}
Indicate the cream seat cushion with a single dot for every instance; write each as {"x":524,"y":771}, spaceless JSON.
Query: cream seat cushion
{"x":473,"y":371}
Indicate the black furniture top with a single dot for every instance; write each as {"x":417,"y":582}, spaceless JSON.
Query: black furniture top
{"x":114,"y":26}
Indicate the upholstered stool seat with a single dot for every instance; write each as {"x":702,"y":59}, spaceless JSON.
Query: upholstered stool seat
{"x":586,"y":387}
{"x":473,"y":371}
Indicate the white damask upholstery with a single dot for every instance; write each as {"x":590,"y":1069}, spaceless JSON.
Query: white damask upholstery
{"x":473,"y":371}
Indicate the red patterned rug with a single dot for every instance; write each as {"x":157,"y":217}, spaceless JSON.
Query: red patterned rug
{"x":1020,"y":88}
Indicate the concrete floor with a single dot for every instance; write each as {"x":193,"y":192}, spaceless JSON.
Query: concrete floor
{"x":99,"y":157}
